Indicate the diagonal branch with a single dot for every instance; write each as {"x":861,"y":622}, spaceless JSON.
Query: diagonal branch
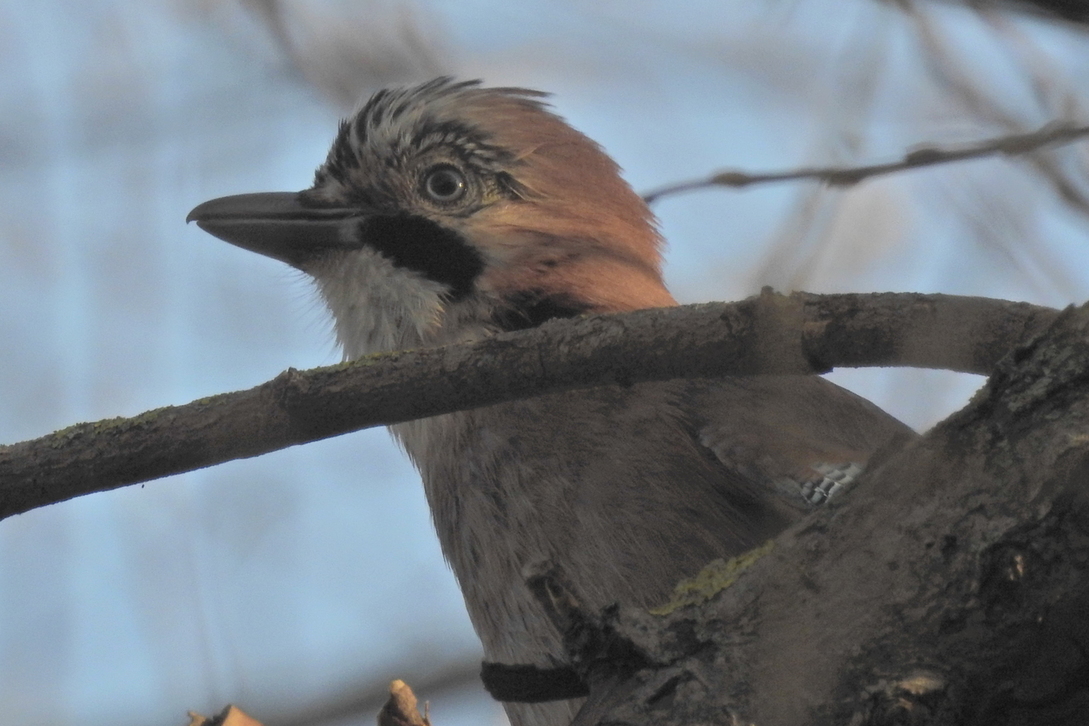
{"x":1051,"y":134}
{"x":950,"y":587}
{"x":768,"y":334}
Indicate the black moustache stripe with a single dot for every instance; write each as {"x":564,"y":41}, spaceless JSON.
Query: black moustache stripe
{"x":419,"y":244}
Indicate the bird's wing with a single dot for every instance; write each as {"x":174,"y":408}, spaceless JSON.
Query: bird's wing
{"x":801,"y":435}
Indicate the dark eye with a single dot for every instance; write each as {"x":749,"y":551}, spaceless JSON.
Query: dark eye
{"x":444,"y":184}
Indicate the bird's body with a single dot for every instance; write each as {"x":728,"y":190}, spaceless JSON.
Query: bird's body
{"x":449,"y":212}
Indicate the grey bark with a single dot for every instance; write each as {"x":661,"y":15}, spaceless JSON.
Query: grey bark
{"x":949,"y":586}
{"x":769,"y":333}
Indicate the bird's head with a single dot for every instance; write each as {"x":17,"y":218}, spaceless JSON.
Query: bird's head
{"x":447,"y":211}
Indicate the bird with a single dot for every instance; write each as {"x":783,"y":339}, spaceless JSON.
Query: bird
{"x":450,"y":211}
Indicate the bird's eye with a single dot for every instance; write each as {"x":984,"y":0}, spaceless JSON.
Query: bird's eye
{"x":445,"y":184}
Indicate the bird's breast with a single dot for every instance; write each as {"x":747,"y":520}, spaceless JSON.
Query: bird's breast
{"x":609,"y":483}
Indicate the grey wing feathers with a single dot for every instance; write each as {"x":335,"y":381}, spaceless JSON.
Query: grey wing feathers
{"x":801,"y":435}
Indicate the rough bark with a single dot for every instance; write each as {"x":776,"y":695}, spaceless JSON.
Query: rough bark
{"x":770,"y":333}
{"x":950,"y":586}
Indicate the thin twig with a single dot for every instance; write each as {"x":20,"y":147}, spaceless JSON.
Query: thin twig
{"x":948,"y":71}
{"x":1051,"y":134}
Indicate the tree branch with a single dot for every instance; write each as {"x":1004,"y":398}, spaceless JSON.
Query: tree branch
{"x":767,"y":334}
{"x":950,"y":587}
{"x":925,"y":155}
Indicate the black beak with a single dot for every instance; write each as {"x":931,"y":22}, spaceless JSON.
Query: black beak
{"x":286,"y":226}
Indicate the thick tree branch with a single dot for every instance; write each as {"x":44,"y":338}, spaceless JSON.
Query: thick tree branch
{"x":925,"y":155}
{"x":949,"y":588}
{"x":771,"y":334}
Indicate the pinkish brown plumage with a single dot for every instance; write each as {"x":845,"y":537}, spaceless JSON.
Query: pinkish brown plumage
{"x":448,"y":212}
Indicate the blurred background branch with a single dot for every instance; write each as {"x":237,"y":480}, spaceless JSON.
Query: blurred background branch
{"x":922,"y":156}
{"x":349,"y":48}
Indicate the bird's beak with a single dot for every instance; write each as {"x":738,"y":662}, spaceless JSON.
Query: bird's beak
{"x":286,"y":226}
